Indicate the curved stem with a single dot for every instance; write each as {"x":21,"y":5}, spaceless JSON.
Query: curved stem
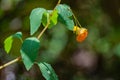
{"x":9,"y":63}
{"x":58,"y":3}
{"x":43,"y":30}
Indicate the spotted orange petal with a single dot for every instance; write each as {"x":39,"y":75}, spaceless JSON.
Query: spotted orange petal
{"x":82,"y":34}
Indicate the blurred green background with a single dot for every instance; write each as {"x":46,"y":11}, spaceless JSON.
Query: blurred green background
{"x":97,"y":58}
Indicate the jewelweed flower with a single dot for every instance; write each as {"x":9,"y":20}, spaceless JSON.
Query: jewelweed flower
{"x":81,"y":33}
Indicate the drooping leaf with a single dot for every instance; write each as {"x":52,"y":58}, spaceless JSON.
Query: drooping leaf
{"x":8,"y":43}
{"x":65,"y":15}
{"x":64,"y":10}
{"x":35,"y":19}
{"x":67,"y":22}
{"x":47,"y":71}
{"x":52,"y":15}
{"x":29,"y":51}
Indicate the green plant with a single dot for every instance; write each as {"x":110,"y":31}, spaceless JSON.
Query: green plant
{"x":31,"y":45}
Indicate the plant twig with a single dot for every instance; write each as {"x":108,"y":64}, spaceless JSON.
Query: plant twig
{"x":9,"y":63}
{"x":57,"y":4}
{"x":41,"y":33}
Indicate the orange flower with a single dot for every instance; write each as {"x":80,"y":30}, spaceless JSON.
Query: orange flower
{"x":81,"y":33}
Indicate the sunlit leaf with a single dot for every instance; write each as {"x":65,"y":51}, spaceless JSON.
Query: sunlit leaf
{"x":29,"y":51}
{"x":52,"y":15}
{"x":45,"y":18}
{"x":64,"y":16}
{"x":8,"y":43}
{"x":53,"y":18}
{"x":47,"y":71}
{"x":35,"y":19}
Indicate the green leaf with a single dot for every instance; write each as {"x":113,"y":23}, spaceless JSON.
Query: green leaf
{"x":35,"y":19}
{"x":53,"y":18}
{"x":29,"y":51}
{"x":18,"y":35}
{"x":65,"y":15}
{"x":8,"y":43}
{"x":47,"y":71}
{"x":45,"y":18}
{"x":52,"y":15}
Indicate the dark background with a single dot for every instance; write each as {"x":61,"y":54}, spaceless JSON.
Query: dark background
{"x":97,"y":58}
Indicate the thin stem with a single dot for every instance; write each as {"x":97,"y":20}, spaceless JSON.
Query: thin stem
{"x":21,"y":40}
{"x":58,"y":2}
{"x":9,"y":63}
{"x":43,"y":30}
{"x":76,"y":20}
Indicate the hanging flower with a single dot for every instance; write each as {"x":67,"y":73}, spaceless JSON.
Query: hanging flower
{"x":81,"y":33}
